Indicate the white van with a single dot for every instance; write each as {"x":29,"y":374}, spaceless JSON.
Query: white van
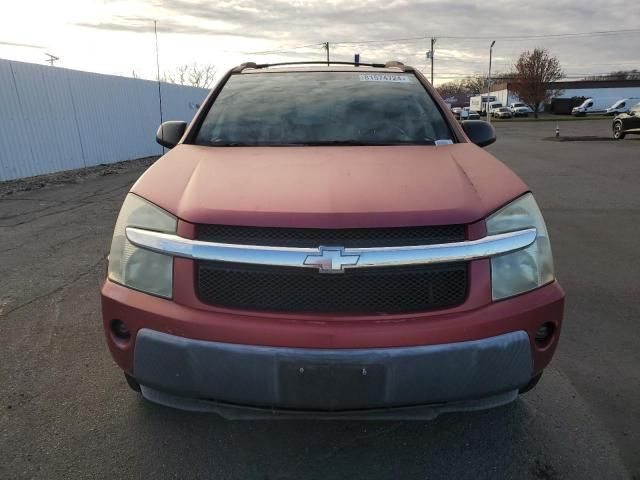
{"x":622,"y":106}
{"x":593,"y":106}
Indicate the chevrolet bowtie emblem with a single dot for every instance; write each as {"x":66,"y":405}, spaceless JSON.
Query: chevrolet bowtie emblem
{"x":331,"y":260}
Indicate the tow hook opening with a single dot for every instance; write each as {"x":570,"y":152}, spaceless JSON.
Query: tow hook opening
{"x":544,"y":334}
{"x":119,"y":330}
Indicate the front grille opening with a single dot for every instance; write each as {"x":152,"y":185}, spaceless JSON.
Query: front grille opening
{"x":363,"y":291}
{"x":347,"y":237}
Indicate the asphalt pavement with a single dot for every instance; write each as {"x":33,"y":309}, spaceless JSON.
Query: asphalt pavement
{"x":66,"y":412}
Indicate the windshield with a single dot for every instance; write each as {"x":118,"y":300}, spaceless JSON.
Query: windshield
{"x":323,"y":108}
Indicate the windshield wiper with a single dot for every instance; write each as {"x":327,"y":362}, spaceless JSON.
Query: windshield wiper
{"x":229,"y":144}
{"x":337,"y":143}
{"x":365,"y":144}
{"x":334,"y":142}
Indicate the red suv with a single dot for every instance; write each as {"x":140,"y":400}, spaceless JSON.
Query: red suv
{"x":330,"y":241}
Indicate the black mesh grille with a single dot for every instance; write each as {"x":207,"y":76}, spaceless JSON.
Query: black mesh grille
{"x":375,"y":290}
{"x":348,"y":237}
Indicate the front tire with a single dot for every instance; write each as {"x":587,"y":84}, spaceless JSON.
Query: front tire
{"x":618,"y":134}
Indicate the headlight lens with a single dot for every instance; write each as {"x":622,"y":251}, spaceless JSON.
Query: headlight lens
{"x":525,"y":269}
{"x":135,"y":267}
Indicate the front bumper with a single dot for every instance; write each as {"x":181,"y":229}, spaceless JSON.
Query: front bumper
{"x":454,"y":376}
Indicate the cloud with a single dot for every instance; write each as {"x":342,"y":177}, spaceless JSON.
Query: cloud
{"x":145,"y":25}
{"x":26,"y":45}
{"x":285,"y":24}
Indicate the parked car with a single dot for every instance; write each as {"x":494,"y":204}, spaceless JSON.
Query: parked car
{"x":593,"y":106}
{"x":468,"y":114}
{"x":520,"y":109}
{"x":627,"y":123}
{"x":456,"y":111}
{"x":502,"y":112}
{"x":621,"y":106}
{"x":347,"y":249}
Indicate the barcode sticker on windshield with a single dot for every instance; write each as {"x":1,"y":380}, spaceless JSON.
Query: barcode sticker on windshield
{"x":384,"y":77}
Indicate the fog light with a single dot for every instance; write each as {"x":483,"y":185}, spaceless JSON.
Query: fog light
{"x":544,"y":334}
{"x":120,"y":330}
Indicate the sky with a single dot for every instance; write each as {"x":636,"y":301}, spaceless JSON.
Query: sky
{"x":117,"y":37}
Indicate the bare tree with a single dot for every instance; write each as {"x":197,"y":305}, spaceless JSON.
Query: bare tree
{"x":472,"y":85}
{"x":469,"y":86}
{"x":452,"y":88}
{"x":191,"y":74}
{"x":534,"y":72}
{"x":475,"y":84}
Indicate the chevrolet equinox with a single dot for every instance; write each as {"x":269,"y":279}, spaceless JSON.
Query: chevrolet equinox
{"x":328,"y":241}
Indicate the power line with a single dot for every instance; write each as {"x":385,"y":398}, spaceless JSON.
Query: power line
{"x":564,"y":65}
{"x":268,"y":52}
{"x":498,"y":77}
{"x":549,"y":35}
{"x":455,"y":37}
{"x":392,"y":40}
{"x":496,"y":37}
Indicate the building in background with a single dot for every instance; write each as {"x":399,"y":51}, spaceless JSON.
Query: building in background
{"x":572,"y":93}
{"x":457,"y":101}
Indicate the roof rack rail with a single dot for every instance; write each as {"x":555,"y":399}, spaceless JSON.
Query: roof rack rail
{"x":391,"y":64}
{"x":242,"y":66}
{"x":400,"y":65}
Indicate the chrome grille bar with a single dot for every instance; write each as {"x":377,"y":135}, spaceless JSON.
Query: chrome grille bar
{"x":332,"y":259}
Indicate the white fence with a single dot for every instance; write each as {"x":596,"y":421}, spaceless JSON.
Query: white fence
{"x":54,"y":119}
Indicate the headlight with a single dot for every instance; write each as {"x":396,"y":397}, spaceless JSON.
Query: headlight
{"x":135,"y":267}
{"x":525,"y":269}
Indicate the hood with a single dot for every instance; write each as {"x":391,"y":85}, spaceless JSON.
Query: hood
{"x":329,"y":187}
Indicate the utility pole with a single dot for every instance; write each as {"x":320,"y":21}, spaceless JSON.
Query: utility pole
{"x":488,"y":83}
{"x":51,"y":59}
{"x":433,"y":42}
{"x":325,"y":45}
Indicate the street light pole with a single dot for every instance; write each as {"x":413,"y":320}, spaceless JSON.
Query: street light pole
{"x":488,"y":82}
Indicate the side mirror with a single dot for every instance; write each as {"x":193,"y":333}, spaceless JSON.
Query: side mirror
{"x":479,"y":132}
{"x":170,"y":133}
